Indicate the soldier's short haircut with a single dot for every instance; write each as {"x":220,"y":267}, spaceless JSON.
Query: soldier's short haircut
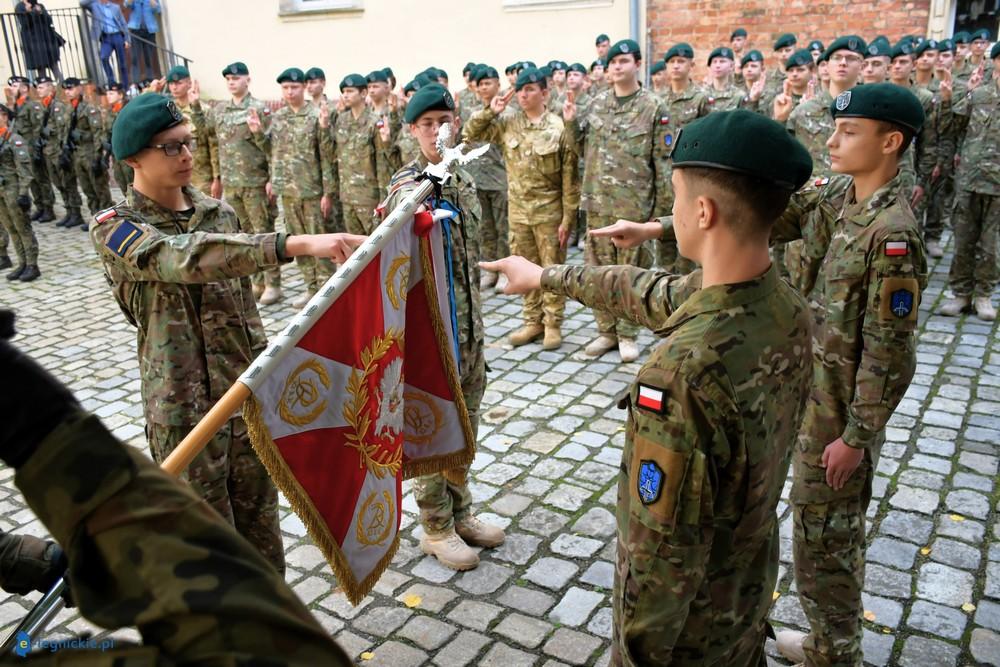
{"x":885,"y":127}
{"x":749,"y":205}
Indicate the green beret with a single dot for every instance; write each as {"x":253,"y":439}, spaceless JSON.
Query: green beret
{"x":995,"y":51}
{"x":801,"y":58}
{"x":388,"y":73}
{"x":880,"y":101}
{"x":293,"y":75}
{"x":236,"y":69}
{"x":577,"y":67}
{"x":679,"y":50}
{"x":441,"y":74}
{"x":411,"y":86}
{"x":926,"y":45}
{"x":468,"y":68}
{"x":816,"y":45}
{"x":624,"y":46}
{"x":982,"y":33}
{"x":946,"y":45}
{"x":658,"y":66}
{"x":602,"y":38}
{"x":878,"y":48}
{"x":177,"y":73}
{"x":377,"y":76}
{"x":739,"y":32}
{"x":432,"y":97}
{"x":597,"y":63}
{"x":419,"y":82}
{"x":902,"y":48}
{"x":315,"y":73}
{"x":558,"y":65}
{"x":851,"y":43}
{"x":11,"y":114}
{"x":788,"y":39}
{"x":720,"y":52}
{"x":485,"y":73}
{"x":353,"y":81}
{"x":746,"y":143}
{"x":546,"y":71}
{"x":962,"y":37}
{"x":141,"y":119}
{"x":530,"y":75}
{"x":754,"y":56}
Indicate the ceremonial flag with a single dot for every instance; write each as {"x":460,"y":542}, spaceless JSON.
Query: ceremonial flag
{"x":368,"y":396}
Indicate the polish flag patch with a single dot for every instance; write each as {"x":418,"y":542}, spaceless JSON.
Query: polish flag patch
{"x":897,"y":248}
{"x":106,"y":215}
{"x":664,"y":120}
{"x":651,"y":398}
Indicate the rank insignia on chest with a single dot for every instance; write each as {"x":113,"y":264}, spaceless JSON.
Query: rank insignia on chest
{"x":901,"y":303}
{"x":897,"y":248}
{"x":651,"y":398}
{"x":650,"y":482}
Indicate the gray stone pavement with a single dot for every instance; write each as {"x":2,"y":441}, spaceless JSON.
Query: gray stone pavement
{"x":549,"y":450}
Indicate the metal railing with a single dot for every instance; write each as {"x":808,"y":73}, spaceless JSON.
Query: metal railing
{"x":59,"y":44}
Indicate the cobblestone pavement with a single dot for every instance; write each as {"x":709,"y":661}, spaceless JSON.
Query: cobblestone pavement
{"x":549,"y":450}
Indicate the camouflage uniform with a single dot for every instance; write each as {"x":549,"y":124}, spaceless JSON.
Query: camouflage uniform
{"x":406,"y":146}
{"x":52,"y":132}
{"x":444,"y":497}
{"x":543,"y":193}
{"x":869,"y":269}
{"x":301,"y":174}
{"x":731,"y":97}
{"x":181,"y":282}
{"x":359,"y":151}
{"x":86,"y":135}
{"x":15,"y":181}
{"x":243,"y":166}
{"x":122,"y":172}
{"x":626,"y":175}
{"x":941,"y":193}
{"x":203,"y":172}
{"x":704,"y":463}
{"x":926,"y":150}
{"x":489,"y":174}
{"x":976,"y":215}
{"x":30,"y":116}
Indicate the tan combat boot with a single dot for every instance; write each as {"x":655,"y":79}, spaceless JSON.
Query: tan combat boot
{"x":304,"y":299}
{"x":552,"y":339}
{"x":955,"y":306}
{"x":790,"y":645}
{"x":984,"y":309}
{"x":479,"y":533}
{"x":526,"y":334}
{"x":269,"y":296}
{"x":628,"y":349}
{"x":258,"y":290}
{"x":600,"y":345}
{"x":450,"y":550}
{"x":487,"y":280}
{"x":934,"y":249}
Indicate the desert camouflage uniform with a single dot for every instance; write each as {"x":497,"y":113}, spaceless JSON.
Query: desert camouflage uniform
{"x":204,"y":171}
{"x":626,"y":175}
{"x":301,"y":174}
{"x":869,"y":269}
{"x":52,"y":133}
{"x":88,"y":138}
{"x":15,"y":181}
{"x":444,"y":497}
{"x":704,"y":463}
{"x":359,"y":151}
{"x":242,"y":157}
{"x":183,"y":282}
{"x":489,"y":175}
{"x":30,"y":117}
{"x":122,"y":172}
{"x":543,"y":193}
{"x":976,"y":214}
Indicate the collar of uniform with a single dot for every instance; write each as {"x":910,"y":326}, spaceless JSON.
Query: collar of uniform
{"x":864,"y":212}
{"x":145,"y":206}
{"x":723,"y":297}
{"x":244,"y":103}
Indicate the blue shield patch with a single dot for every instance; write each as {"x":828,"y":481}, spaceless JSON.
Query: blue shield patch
{"x":901,"y":303}
{"x":668,"y":139}
{"x":650,"y":482}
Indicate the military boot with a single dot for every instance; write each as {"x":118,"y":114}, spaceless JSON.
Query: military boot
{"x":450,"y":550}
{"x":5,"y":262}
{"x":36,"y":215}
{"x":303,"y":300}
{"x":526,"y":334}
{"x":600,"y":345}
{"x":65,"y":220}
{"x":487,"y":280}
{"x":790,"y":645}
{"x":479,"y":533}
{"x":955,"y":306}
{"x":934,"y":249}
{"x":30,"y":273}
{"x":271,"y":295}
{"x":48,"y":215}
{"x":984,"y":309}
{"x":628,"y":350}
{"x":552,"y":339}
{"x":75,"y":219}
{"x":16,"y":273}
{"x":258,"y":289}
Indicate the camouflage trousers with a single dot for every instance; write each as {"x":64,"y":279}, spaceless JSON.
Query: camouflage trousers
{"x":4,"y":241}
{"x":253,"y":210}
{"x":123,"y":175}
{"x":65,"y":182}
{"x":540,"y":244}
{"x":601,"y":252}
{"x":358,"y":219}
{"x":17,"y":225}
{"x":232,"y":480}
{"x":495,"y":239}
{"x":941,"y":199}
{"x":41,"y":186}
{"x":444,"y":497}
{"x":96,"y":187}
{"x":976,"y":218}
{"x":304,"y":216}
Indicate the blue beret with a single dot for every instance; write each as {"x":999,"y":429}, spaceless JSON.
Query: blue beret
{"x":140,"y":120}
{"x":679,"y":50}
{"x":432,"y":97}
{"x":880,"y":101}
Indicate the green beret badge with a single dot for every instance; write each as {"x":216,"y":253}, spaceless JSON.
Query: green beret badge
{"x":174,"y":112}
{"x":843,"y":100}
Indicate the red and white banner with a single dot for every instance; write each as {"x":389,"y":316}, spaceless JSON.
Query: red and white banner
{"x":369,"y":396}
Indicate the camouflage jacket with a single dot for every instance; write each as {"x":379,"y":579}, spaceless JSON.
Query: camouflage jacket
{"x":963,"y":72}
{"x":867,"y":261}
{"x":16,"y":173}
{"x":732,"y":97}
{"x":241,"y":155}
{"x":184,"y":285}
{"x":977,"y":115}
{"x":812,"y":124}
{"x":488,"y":172}
{"x":682,"y":108}
{"x":29,"y":119}
{"x":543,"y":185}
{"x":387,"y":161}
{"x":204,"y":168}
{"x":927,"y":145}
{"x":712,"y":421}
{"x":468,"y":102}
{"x":301,"y":153}
{"x":55,"y":129}
{"x":407,"y":149}
{"x":87,"y":135}
{"x":626,"y":171}
{"x":358,"y":152}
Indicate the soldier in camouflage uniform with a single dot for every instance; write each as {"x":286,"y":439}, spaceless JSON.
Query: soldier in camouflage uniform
{"x":30,"y":117}
{"x":723,"y":94}
{"x":976,"y":216}
{"x":243,"y":164}
{"x":976,"y":60}
{"x":625,"y":174}
{"x":597,"y":77}
{"x":206,"y":173}
{"x":315,"y":87}
{"x":384,"y":105}
{"x":83,"y":141}
{"x":444,"y":498}
{"x":299,"y":143}
{"x":468,"y":95}
{"x":941,"y":196}
{"x":115,"y":97}
{"x":543,"y":192}
{"x":178,"y":267}
{"x":711,"y":424}
{"x":59,"y":167}
{"x":752,"y":71}
{"x":188,"y":579}
{"x":784,"y":47}
{"x":738,"y":41}
{"x":15,"y":198}
{"x":406,"y":148}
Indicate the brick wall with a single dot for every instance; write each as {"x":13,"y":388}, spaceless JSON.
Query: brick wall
{"x":706,"y":24}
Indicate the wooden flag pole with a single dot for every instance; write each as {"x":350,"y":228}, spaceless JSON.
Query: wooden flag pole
{"x":195,"y":441}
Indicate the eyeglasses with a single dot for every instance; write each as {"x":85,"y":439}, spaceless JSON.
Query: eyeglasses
{"x":173,"y":149}
{"x":845,"y":58}
{"x":428,"y":126}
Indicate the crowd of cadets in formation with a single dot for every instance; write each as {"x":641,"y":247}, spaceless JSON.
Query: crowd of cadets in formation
{"x":60,"y":140}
